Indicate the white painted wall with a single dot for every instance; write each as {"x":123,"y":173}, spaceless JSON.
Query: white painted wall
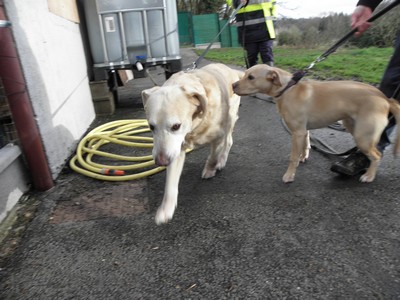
{"x":13,"y":180}
{"x":54,"y":65}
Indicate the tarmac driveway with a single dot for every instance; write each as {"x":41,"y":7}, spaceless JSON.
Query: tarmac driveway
{"x":241,"y":235}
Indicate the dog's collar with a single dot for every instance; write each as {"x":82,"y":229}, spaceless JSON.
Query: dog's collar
{"x":297,"y":76}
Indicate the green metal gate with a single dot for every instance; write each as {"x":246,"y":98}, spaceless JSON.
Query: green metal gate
{"x":202,"y":29}
{"x":205,"y":28}
{"x":185,"y":27}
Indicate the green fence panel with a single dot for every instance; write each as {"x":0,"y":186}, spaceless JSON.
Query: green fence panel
{"x":185,"y":28}
{"x":229,"y":37}
{"x":225,"y":36}
{"x":234,"y":36}
{"x":202,"y":29}
{"x":205,"y":28}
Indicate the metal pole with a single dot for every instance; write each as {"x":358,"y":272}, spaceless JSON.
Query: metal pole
{"x":21,"y":109}
{"x":146,"y":33}
{"x":123,"y":36}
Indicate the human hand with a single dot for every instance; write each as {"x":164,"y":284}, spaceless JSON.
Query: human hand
{"x":243,"y":2}
{"x":359,"y":19}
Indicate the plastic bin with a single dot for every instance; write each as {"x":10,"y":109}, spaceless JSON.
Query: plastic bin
{"x":121,"y":30}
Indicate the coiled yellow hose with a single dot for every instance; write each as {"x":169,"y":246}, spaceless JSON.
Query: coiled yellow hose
{"x":123,"y":132}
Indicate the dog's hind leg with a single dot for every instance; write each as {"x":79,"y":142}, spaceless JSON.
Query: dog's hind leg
{"x":366,"y":135}
{"x":348,"y":123}
{"x":374,"y":156}
{"x":167,"y":208}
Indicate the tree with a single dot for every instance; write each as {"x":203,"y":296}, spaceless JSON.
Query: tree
{"x":198,"y":7}
{"x":312,"y":31}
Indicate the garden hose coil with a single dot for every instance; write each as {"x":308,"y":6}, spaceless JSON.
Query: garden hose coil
{"x":129,"y":133}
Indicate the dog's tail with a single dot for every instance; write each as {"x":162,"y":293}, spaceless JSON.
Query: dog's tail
{"x":395,"y":111}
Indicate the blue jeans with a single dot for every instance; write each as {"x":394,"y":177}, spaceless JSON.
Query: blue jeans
{"x":390,"y":81}
{"x":265,"y":50}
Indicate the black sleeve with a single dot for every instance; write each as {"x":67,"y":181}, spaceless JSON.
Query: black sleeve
{"x":370,"y":3}
{"x":237,"y":2}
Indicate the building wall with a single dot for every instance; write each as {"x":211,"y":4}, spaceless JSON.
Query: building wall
{"x":51,"y":52}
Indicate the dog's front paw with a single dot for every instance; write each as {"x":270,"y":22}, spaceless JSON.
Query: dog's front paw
{"x":367,"y":178}
{"x":288,"y":177}
{"x":208,"y":173}
{"x":303,"y":158}
{"x":164,"y":214}
{"x":221,"y":163}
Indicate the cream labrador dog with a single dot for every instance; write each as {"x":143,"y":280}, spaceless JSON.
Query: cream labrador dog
{"x":192,"y":108}
{"x":314,"y":104}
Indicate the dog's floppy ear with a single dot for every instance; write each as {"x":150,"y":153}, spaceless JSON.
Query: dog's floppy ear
{"x":146,"y":94}
{"x":197,"y":96}
{"x":274,"y":77}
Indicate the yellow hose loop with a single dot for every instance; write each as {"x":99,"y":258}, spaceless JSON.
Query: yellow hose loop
{"x":116,"y":156}
{"x":113,"y":178}
{"x":124,"y":133}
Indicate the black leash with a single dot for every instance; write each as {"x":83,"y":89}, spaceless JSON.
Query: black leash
{"x":230,"y":20}
{"x":296,"y":77}
{"x":245,"y":56}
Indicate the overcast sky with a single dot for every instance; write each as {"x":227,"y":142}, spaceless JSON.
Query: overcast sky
{"x":314,"y":8}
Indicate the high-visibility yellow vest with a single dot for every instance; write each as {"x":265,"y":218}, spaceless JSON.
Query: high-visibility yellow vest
{"x":269,"y":9}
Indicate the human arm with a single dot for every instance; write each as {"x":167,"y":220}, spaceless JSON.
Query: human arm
{"x":361,"y":15}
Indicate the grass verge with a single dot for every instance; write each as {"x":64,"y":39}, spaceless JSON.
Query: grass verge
{"x":366,"y":65}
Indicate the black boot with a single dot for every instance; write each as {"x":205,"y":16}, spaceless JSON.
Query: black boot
{"x":352,"y":165}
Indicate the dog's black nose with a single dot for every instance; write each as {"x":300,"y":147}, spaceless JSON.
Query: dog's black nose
{"x":234,"y":85}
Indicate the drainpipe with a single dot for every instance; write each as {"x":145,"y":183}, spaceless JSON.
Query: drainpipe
{"x":21,"y":109}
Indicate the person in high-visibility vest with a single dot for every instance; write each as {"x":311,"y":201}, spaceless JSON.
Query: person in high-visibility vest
{"x":256,"y":32}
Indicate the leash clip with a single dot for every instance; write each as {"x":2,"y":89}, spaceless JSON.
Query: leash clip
{"x":194,"y":66}
{"x":311,"y":65}
{"x":317,"y":60}
{"x":320,"y":58}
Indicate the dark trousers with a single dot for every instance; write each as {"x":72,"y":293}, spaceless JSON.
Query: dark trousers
{"x":390,"y":81}
{"x":263,"y":48}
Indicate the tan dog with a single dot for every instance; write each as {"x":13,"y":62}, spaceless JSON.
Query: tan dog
{"x":191,"y":109}
{"x":314,"y":104}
